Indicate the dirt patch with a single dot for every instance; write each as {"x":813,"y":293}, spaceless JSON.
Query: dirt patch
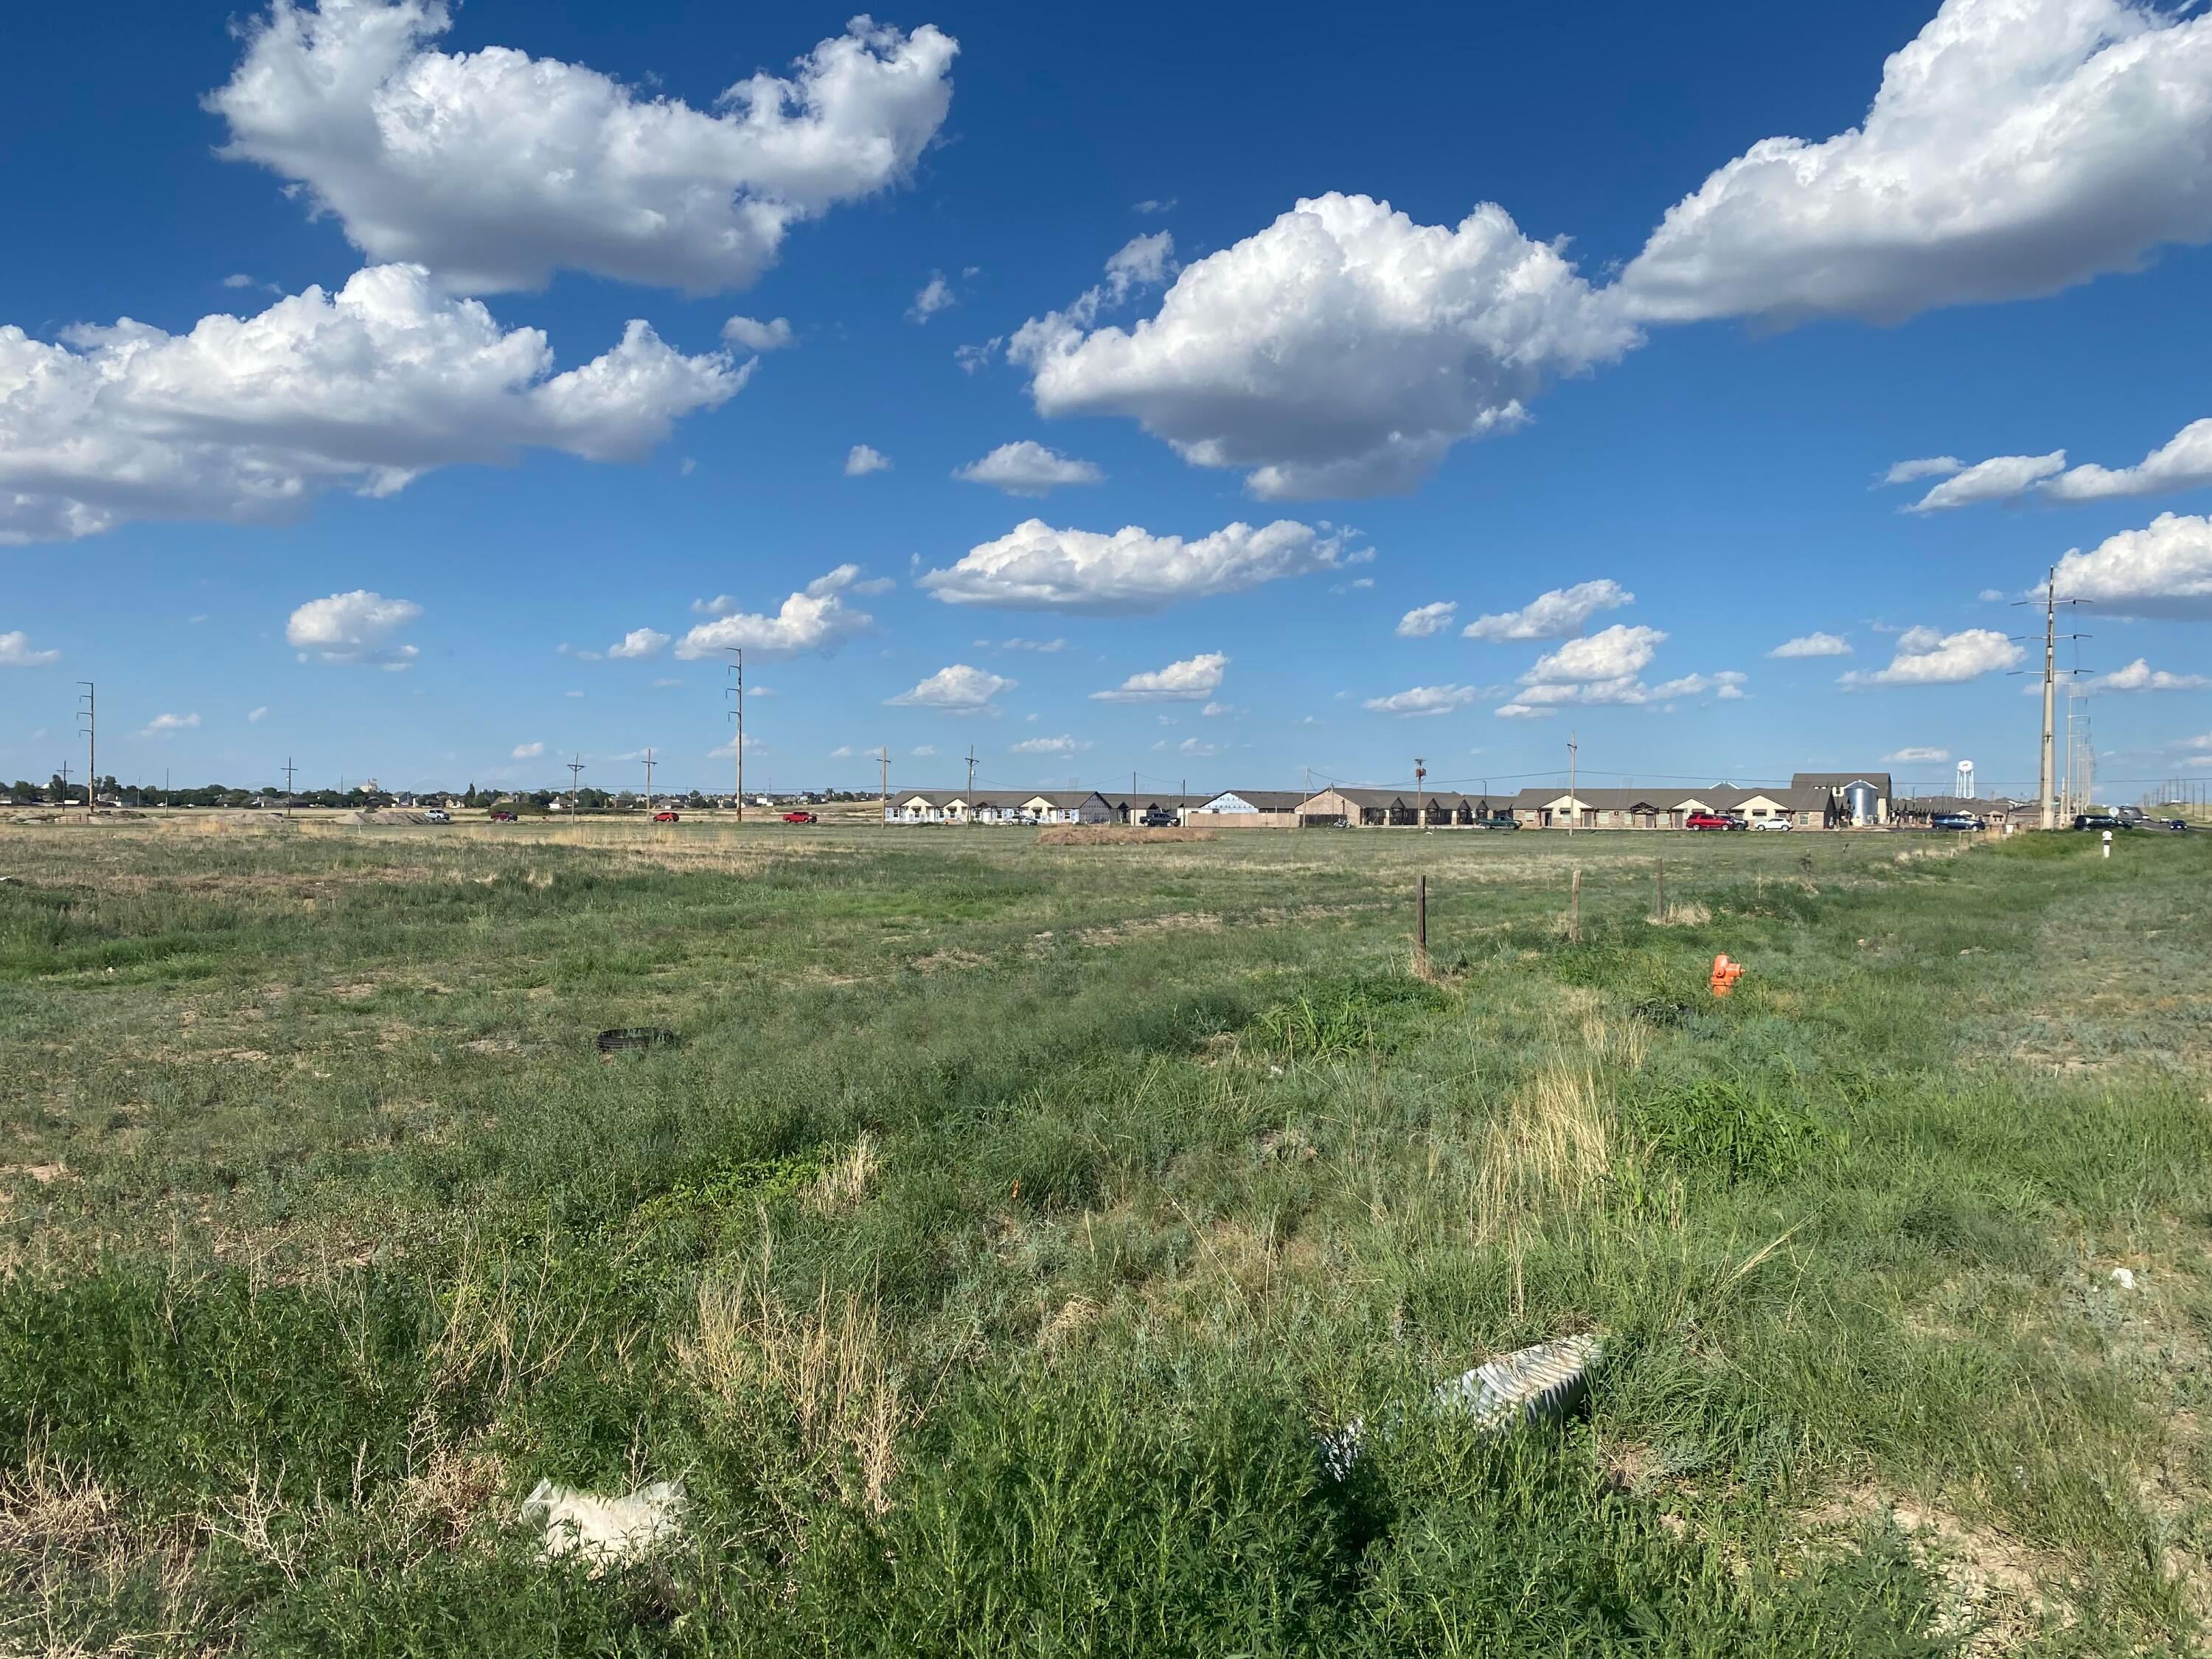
{"x":44,"y":1174}
{"x":1182,"y":922}
{"x":1991,"y":1583}
{"x":1115,"y":835}
{"x":938,"y":962}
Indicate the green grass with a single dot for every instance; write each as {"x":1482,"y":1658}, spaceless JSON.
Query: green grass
{"x":1010,"y":1222}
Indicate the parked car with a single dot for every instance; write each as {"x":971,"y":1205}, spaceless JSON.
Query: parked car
{"x":437,"y":814}
{"x":664,"y":818}
{"x":800,"y":817}
{"x":1713,"y":821}
{"x":1954,"y":821}
{"x":2099,"y":821}
{"x":504,"y":817}
{"x":1157,"y":818}
{"x":1498,"y":821}
{"x":1770,"y":823}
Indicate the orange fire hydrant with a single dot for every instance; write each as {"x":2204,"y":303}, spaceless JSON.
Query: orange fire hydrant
{"x":1725,"y":975}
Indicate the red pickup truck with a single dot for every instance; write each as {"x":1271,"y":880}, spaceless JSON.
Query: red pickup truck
{"x":800,"y":818}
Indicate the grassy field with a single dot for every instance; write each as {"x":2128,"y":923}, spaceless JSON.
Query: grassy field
{"x":1011,"y":1220}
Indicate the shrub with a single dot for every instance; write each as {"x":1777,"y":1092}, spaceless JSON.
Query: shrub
{"x":1731,"y":1128}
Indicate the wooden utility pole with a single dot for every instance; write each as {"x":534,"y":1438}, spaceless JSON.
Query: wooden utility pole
{"x":1420,"y":809}
{"x":1575,"y":909}
{"x":1659,"y":881}
{"x":1421,"y":920}
{"x":1574,"y":801}
{"x":883,"y":783}
{"x":649,"y":783}
{"x":972,"y":817}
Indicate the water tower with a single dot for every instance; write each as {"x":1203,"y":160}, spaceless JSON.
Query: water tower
{"x":1966,"y":780}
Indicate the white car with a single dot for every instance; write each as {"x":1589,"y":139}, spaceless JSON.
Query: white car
{"x":437,"y":814}
{"x":1770,"y":823}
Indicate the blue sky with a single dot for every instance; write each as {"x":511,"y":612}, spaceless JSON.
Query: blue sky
{"x":378,"y":534}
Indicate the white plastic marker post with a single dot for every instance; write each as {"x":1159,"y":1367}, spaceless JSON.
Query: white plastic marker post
{"x":2108,"y":843}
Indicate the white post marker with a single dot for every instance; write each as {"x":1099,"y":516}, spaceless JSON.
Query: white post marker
{"x":2108,"y":843}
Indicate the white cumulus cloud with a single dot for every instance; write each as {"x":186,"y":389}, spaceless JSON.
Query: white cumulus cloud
{"x":750,"y":336}
{"x":353,"y":628}
{"x":1605,"y":668}
{"x":1424,"y":700}
{"x":1034,"y":567}
{"x":1422,"y":621}
{"x":1609,"y":654}
{"x":528,"y":751}
{"x":168,"y":725}
{"x":1026,"y":467}
{"x":1340,"y":351}
{"x":2014,"y":149}
{"x":2140,"y":676}
{"x":247,"y":419}
{"x":1552,"y":615}
{"x":638,"y":643}
{"x":862,"y":459}
{"x":15,"y":652}
{"x":2163,"y":569}
{"x":958,"y":689}
{"x":1059,"y":745}
{"x":1928,"y":466}
{"x":2183,"y":462}
{"x":494,"y":168}
{"x":1910,"y":756}
{"x":817,"y":619}
{"x":254,"y":716}
{"x":1927,"y":656}
{"x":935,"y":295}
{"x":1194,"y":679}
{"x":1814,"y":645}
{"x":1997,"y":479}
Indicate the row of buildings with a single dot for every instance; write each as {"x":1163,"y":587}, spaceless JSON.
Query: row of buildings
{"x":1812,"y":801}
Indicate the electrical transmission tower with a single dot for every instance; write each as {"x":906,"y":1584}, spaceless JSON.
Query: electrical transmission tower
{"x":2048,"y":793}
{"x":738,"y":668}
{"x":88,"y":712}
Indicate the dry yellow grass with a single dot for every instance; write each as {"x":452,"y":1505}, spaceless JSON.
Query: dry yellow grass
{"x":827,"y":1366}
{"x":1549,"y":1149}
{"x":844,"y":1182}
